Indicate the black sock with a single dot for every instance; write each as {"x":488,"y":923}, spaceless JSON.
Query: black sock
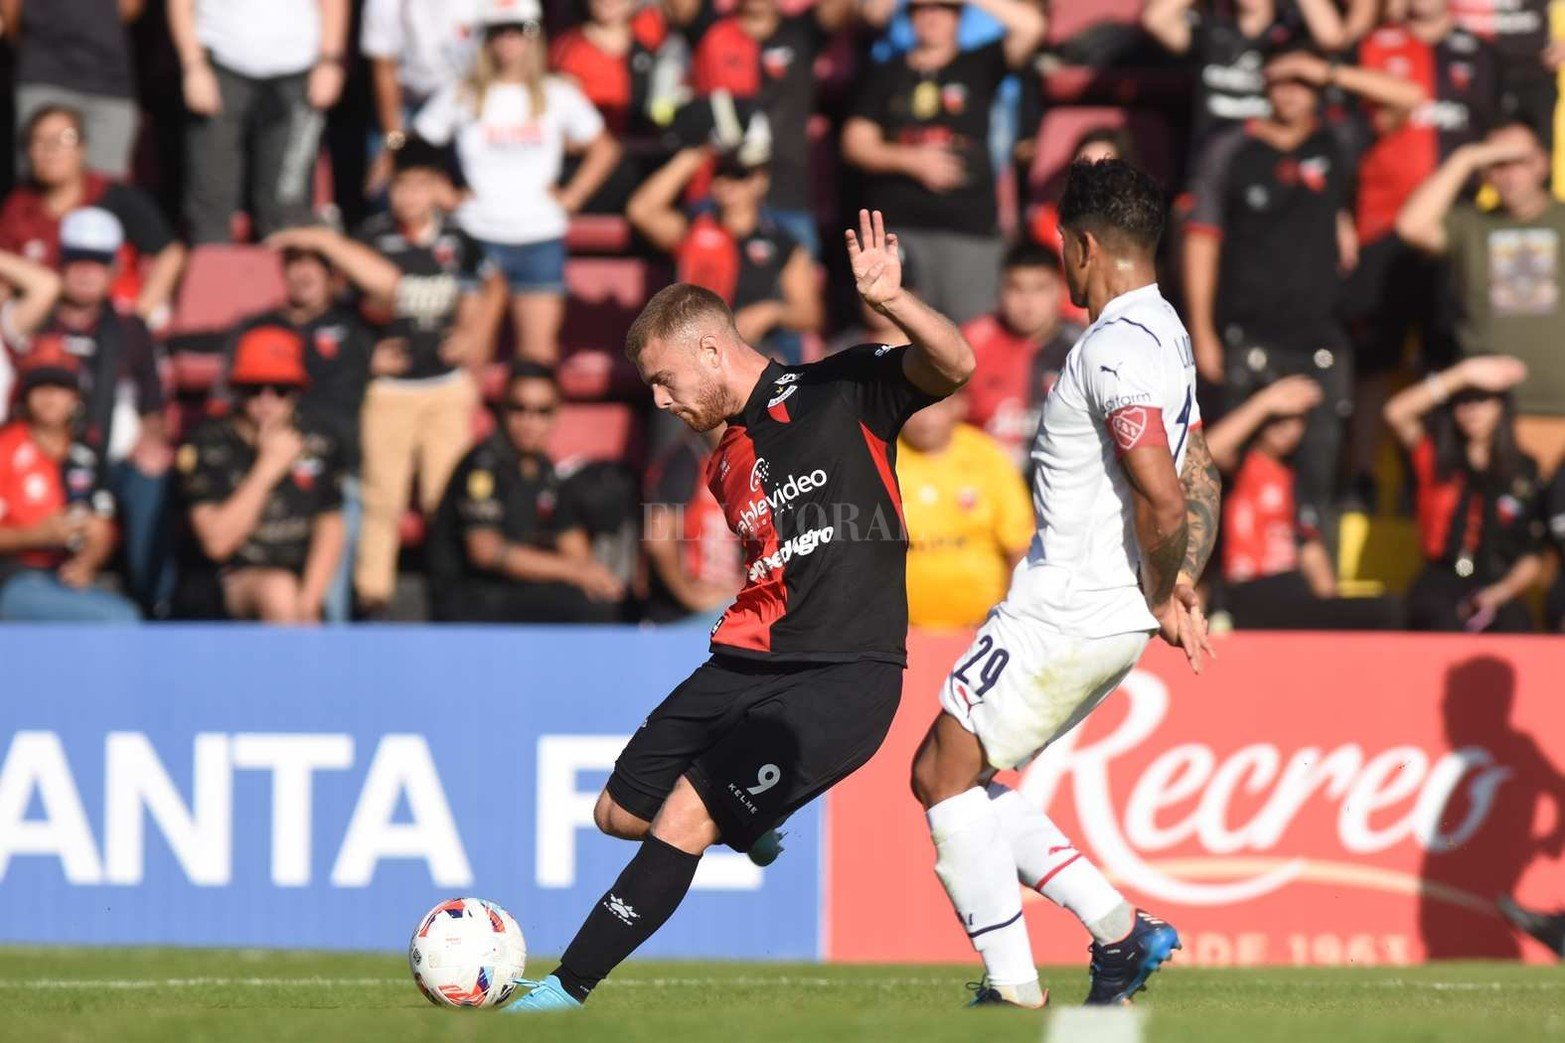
{"x":646,"y":894}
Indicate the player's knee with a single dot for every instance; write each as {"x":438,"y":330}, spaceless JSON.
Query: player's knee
{"x":615,"y":821}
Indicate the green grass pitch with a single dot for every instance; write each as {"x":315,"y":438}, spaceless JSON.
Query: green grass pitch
{"x":124,"y":995}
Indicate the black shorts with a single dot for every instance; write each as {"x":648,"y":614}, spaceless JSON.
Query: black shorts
{"x":757,"y":740}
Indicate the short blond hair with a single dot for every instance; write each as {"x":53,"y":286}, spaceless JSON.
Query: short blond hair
{"x":674,"y":309}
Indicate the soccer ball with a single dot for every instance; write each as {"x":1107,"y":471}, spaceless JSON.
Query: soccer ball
{"x":467,"y":952}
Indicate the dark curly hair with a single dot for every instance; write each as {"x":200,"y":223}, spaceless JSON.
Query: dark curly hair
{"x":1114,"y":201}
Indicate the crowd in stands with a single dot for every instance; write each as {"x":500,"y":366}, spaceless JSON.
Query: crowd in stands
{"x":313,"y":308}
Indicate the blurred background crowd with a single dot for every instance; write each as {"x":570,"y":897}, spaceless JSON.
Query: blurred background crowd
{"x":314,"y":308}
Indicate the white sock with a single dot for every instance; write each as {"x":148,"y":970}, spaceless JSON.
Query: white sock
{"x":974,"y":863}
{"x":1049,"y":863}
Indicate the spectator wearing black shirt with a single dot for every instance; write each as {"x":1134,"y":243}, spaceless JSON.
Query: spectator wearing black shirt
{"x":263,"y":491}
{"x":59,"y":182}
{"x":122,"y":420}
{"x":731,"y":245}
{"x":1477,"y":498}
{"x":509,"y":544}
{"x":758,"y":53}
{"x":418,"y":412}
{"x":340,"y":355}
{"x":696,"y":563}
{"x":1269,"y":234}
{"x":919,"y":131}
{"x":1529,"y":59}
{"x":1229,"y":45}
{"x":77,"y":53}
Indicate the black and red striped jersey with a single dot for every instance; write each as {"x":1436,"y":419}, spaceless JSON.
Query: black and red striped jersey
{"x":806,"y":476}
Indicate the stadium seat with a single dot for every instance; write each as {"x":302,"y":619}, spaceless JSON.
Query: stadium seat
{"x":585,"y":432}
{"x":598,"y":234}
{"x":195,"y":372}
{"x":1376,"y":554}
{"x":223,"y":283}
{"x":1062,"y":125}
{"x":604,"y":296}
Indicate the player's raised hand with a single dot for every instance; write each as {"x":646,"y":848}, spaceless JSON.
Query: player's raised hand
{"x":876,"y":262}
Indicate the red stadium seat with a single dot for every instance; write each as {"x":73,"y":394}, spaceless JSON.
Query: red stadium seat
{"x":584,"y":432}
{"x":598,"y":234}
{"x":223,"y":283}
{"x":604,"y":296}
{"x":1062,"y":125}
{"x":195,"y":372}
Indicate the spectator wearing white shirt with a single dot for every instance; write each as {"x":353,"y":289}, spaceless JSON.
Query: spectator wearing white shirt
{"x":258,"y":77}
{"x":512,"y":125}
{"x":414,"y":48}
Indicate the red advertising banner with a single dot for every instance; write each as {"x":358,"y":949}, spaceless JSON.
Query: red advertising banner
{"x":1311,"y":799}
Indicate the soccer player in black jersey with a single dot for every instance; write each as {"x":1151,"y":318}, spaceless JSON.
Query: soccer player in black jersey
{"x":806,"y":666}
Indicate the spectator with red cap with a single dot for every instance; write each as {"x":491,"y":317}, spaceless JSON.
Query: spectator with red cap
{"x":415,"y":49}
{"x":56,"y":531}
{"x":1477,"y":495}
{"x":732,"y":245}
{"x":1021,"y":348}
{"x":1277,"y":571}
{"x":59,"y":181}
{"x":513,"y":124}
{"x":122,"y":419}
{"x":259,"y":76}
{"x":759,"y":54}
{"x":77,"y":53}
{"x":263,"y":493}
{"x":919,"y":131}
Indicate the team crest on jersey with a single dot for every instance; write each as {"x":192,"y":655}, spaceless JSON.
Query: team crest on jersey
{"x":1461,"y":75}
{"x":306,"y":471}
{"x":781,"y":396}
{"x":328,"y":340}
{"x":954,"y":97}
{"x":1128,"y":425}
{"x":445,"y":251}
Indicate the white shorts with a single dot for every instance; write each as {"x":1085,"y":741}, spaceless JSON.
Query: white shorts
{"x":1019,"y":686}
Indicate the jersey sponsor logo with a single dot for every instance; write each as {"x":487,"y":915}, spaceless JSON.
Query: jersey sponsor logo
{"x":1107,"y":369}
{"x":1139,"y":398}
{"x":778,"y":499}
{"x":759,"y":473}
{"x":800,"y":546}
{"x":1443,"y":115}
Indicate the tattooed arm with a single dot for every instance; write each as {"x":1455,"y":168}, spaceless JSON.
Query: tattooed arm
{"x":1203,"y":494}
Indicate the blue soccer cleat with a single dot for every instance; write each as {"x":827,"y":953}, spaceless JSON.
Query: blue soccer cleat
{"x":766,"y":848}
{"x":547,"y":995}
{"x":1121,"y":970}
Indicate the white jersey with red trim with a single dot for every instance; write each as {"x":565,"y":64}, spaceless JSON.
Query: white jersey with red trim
{"x":1129,"y":381}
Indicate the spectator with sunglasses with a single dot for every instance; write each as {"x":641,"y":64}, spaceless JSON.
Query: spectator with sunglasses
{"x":512,"y":125}
{"x":919,"y":132}
{"x":1477,"y":498}
{"x":730,"y":244}
{"x":509,"y":543}
{"x":263,"y":494}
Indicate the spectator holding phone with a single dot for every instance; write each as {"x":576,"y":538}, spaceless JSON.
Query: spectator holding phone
{"x":1477,"y":498}
{"x":55,"y":527}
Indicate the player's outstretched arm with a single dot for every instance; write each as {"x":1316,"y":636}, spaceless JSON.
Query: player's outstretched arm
{"x":939,"y":360}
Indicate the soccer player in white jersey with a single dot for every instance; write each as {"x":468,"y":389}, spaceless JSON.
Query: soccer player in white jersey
{"x":1125,"y":494}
